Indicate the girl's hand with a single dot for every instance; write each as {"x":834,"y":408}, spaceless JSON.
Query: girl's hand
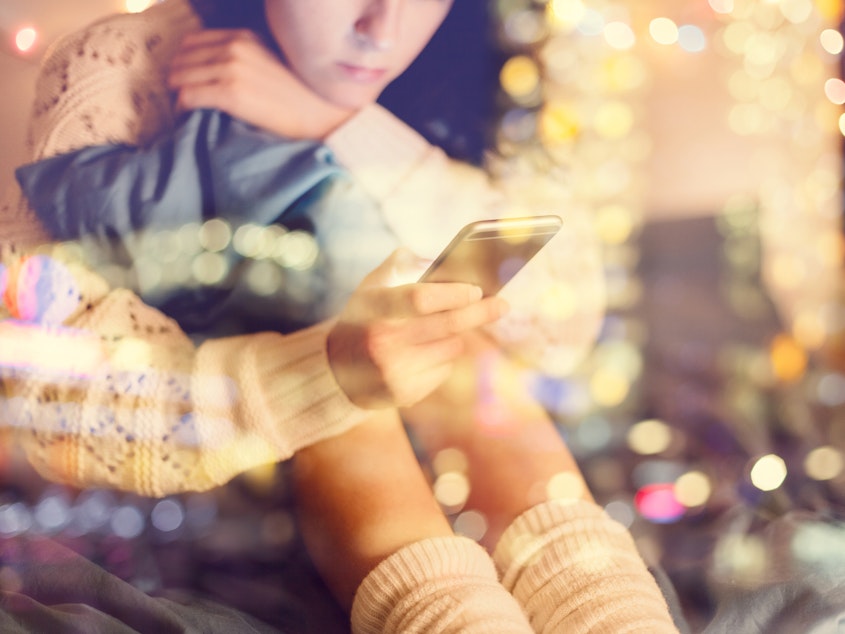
{"x":392,"y":346}
{"x":233,"y":71}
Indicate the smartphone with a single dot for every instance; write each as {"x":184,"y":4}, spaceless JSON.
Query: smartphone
{"x":488,"y":253}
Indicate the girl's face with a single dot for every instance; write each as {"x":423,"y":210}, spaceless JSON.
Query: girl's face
{"x":348,"y":51}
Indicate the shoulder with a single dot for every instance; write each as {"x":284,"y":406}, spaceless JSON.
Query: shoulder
{"x":140,"y":41}
{"x":114,"y":68}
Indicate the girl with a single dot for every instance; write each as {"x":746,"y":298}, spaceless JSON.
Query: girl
{"x":566,"y":565}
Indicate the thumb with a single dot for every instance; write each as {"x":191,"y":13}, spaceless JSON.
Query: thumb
{"x":403,"y":266}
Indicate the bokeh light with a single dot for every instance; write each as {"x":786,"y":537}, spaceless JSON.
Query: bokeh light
{"x":167,"y":515}
{"x":451,"y":490}
{"x":565,"y":486}
{"x":25,"y":39}
{"x":663,"y":31}
{"x":470,"y":524}
{"x":649,"y":437}
{"x":693,"y":489}
{"x":789,"y":360}
{"x":136,"y":6}
{"x":832,"y":41}
{"x":824,"y":463}
{"x":619,"y":35}
{"x":691,"y":38}
{"x":520,"y":77}
{"x":657,"y":503}
{"x":768,"y":472}
{"x":741,"y":558}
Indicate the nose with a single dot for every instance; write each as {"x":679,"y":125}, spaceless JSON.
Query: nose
{"x":378,"y":25}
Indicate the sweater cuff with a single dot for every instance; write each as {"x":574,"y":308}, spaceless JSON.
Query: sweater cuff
{"x":573,"y":568}
{"x":299,"y":389}
{"x":378,"y":149}
{"x":442,"y":584}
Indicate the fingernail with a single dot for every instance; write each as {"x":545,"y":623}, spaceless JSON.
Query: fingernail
{"x":475,"y":294}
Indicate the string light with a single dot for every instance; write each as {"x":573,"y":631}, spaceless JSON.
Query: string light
{"x":25,"y":39}
{"x":136,"y":6}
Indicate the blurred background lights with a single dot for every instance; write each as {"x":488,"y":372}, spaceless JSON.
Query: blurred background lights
{"x":566,"y":14}
{"x":519,"y":76}
{"x":470,"y":524}
{"x":768,"y":472}
{"x":451,"y":490}
{"x":449,"y":459}
{"x":650,"y":437}
{"x":564,"y":486}
{"x":820,"y":544}
{"x":297,"y":250}
{"x":831,"y":41}
{"x":591,"y":23}
{"x":25,"y":39}
{"x":789,"y":360}
{"x":721,"y":6}
{"x":593,"y":433}
{"x":609,"y":387}
{"x":209,"y":268}
{"x":742,"y":559}
{"x":693,"y":489}
{"x":167,"y":515}
{"x":691,"y":38}
{"x":621,"y":511}
{"x":619,"y":35}
{"x":15,"y":518}
{"x":559,"y":122}
{"x":824,"y":463}
{"x":796,"y":11}
{"x":657,"y":503}
{"x":663,"y":31}
{"x":127,"y":522}
{"x":52,"y":513}
{"x":614,"y":120}
{"x":215,"y":235}
{"x":831,"y":389}
{"x":614,"y":223}
{"x":834,"y":89}
{"x":136,"y":6}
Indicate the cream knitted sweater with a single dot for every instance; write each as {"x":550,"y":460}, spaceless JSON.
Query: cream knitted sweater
{"x":110,"y":392}
{"x":106,"y":84}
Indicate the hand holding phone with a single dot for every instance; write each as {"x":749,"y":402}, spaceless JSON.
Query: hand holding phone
{"x":488,"y":253}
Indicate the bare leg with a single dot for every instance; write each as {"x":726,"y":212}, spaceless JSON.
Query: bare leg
{"x":515,"y":456}
{"x":362,"y":496}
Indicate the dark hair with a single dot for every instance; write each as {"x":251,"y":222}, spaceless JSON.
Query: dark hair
{"x":235,"y":14}
{"x":459,"y":69}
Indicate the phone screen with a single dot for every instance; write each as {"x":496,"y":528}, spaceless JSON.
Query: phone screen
{"x":489,"y":253}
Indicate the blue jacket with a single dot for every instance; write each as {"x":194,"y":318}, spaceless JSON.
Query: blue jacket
{"x":113,"y":197}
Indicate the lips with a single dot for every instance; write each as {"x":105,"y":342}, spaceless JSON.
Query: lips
{"x":362,"y":74}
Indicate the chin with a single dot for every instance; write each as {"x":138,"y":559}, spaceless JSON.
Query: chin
{"x":353,"y":97}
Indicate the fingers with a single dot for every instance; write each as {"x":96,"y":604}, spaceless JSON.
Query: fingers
{"x":457,"y":321}
{"x":413,"y":300}
{"x":209,"y":57}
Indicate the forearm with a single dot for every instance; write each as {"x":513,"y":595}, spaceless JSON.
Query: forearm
{"x":114,"y":394}
{"x":515,"y":457}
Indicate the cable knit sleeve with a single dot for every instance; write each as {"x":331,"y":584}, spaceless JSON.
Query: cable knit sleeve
{"x":101,"y":390}
{"x":97,"y":387}
{"x":557,"y":301}
{"x":574,"y":569}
